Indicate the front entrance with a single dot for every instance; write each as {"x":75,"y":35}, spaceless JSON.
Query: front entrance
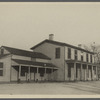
{"x":89,"y":72}
{"x":83,"y":72}
{"x":78,"y":71}
{"x":71,"y":71}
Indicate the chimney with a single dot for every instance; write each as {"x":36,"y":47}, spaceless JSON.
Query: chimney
{"x":51,"y":37}
{"x":80,"y":45}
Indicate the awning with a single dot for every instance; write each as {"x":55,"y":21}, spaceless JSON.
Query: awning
{"x":32,"y":63}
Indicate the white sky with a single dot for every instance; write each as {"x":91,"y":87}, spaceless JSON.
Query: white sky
{"x":23,"y":25}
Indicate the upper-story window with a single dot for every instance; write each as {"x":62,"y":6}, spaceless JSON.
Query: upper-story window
{"x":81,"y":56}
{"x":69,"y":53}
{"x":75,"y":54}
{"x":57,"y":53}
{"x":2,"y":51}
{"x":91,"y":58}
{"x":87,"y":57}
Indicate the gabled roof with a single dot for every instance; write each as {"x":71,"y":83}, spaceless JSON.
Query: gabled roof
{"x":60,"y":44}
{"x":26,"y":53}
{"x":25,"y":62}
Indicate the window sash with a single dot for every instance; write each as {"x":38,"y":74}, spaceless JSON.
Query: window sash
{"x":81,"y":57}
{"x":1,"y":65}
{"x":69,"y":53}
{"x":2,"y":51}
{"x":75,"y":55}
{"x":87,"y":58}
{"x":57,"y":53}
{"x":91,"y":58}
{"x":1,"y":72}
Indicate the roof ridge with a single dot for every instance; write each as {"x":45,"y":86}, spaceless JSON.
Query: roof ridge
{"x":20,"y":49}
{"x":61,"y":44}
{"x":16,"y":48}
{"x":26,"y":53}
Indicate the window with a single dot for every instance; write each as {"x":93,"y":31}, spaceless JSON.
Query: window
{"x":1,"y":69}
{"x":75,"y":54}
{"x":91,"y":58}
{"x":94,"y":68}
{"x":84,"y":66}
{"x":69,"y":71}
{"x":87,"y":58}
{"x":2,"y":51}
{"x":69,"y":53}
{"x":57,"y":54}
{"x":81,"y":56}
{"x":89,"y":68}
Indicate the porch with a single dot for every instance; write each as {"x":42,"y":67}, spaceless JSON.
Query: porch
{"x":81,"y":71}
{"x":32,"y":71}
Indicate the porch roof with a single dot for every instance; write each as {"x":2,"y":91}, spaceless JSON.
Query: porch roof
{"x":76,"y":61}
{"x":25,"y":62}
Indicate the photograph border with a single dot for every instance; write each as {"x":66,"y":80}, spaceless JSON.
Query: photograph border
{"x":42,"y":97}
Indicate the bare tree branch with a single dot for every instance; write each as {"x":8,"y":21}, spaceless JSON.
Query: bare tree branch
{"x":94,"y":48}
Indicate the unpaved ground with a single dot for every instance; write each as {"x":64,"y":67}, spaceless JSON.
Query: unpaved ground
{"x":62,"y":88}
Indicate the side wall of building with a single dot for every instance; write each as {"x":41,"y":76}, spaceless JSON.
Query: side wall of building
{"x":49,"y":50}
{"x":6,"y":69}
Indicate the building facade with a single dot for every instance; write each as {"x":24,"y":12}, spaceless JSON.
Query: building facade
{"x":74,"y":63}
{"x":49,"y":61}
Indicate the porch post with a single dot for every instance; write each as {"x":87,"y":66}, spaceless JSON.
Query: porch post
{"x":37,"y":70}
{"x":52,"y":73}
{"x":44,"y":73}
{"x":81,"y":73}
{"x":37,"y":74}
{"x":92,"y":73}
{"x":19,"y":72}
{"x":75,"y":71}
{"x":87,"y":72}
{"x":29,"y":72}
{"x":96,"y":73}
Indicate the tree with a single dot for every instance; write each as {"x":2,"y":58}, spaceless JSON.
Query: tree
{"x":95,"y":49}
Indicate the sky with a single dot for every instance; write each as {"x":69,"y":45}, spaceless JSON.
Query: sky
{"x":23,"y":25}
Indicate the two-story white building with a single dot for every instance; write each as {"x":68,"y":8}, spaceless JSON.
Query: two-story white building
{"x":49,"y":61}
{"x":74,"y":63}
